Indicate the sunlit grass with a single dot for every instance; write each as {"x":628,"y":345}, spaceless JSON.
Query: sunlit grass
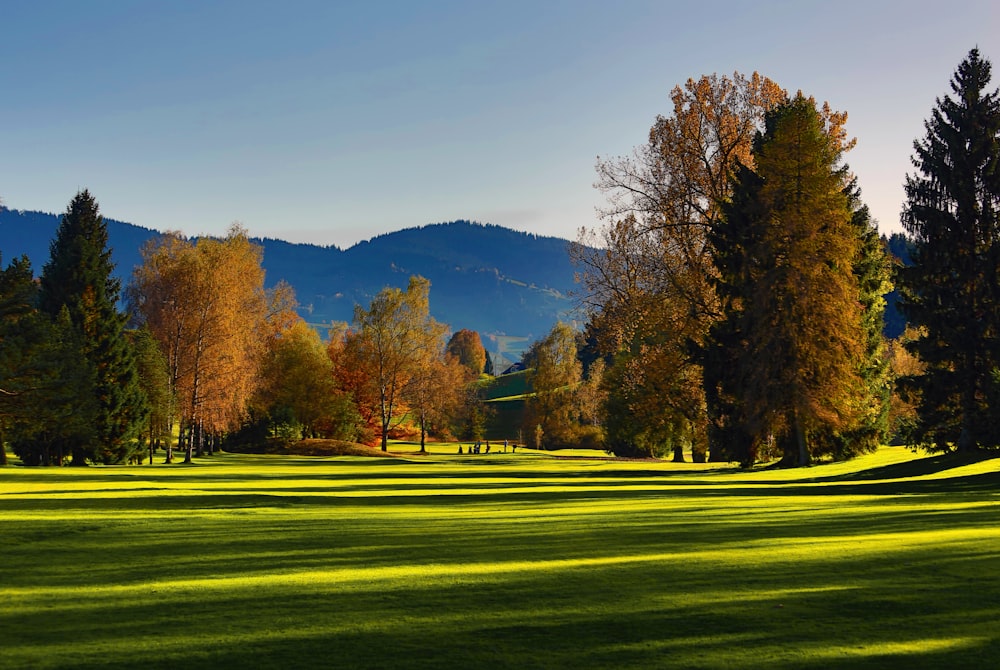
{"x":501,"y":560}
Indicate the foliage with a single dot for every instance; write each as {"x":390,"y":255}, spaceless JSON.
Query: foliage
{"x":467,"y":347}
{"x":78,"y":279}
{"x":205,"y":304}
{"x":793,"y":333}
{"x":154,"y":378}
{"x":298,"y":387}
{"x":553,"y":373}
{"x":951,"y":290}
{"x":46,"y":392}
{"x":648,"y":278}
{"x":395,"y":340}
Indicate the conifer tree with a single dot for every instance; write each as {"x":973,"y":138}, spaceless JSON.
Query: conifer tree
{"x":793,"y":338}
{"x":952,"y":288}
{"x":78,"y":279}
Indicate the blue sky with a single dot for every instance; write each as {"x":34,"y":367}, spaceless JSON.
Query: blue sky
{"x":331,"y":122}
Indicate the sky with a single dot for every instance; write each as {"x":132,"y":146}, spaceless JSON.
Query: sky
{"x":333,"y":122}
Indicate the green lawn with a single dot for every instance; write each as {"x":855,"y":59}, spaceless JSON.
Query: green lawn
{"x":501,"y":561}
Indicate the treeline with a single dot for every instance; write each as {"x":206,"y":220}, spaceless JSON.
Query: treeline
{"x":737,"y":290}
{"x":204,"y":354}
{"x":735,"y":301}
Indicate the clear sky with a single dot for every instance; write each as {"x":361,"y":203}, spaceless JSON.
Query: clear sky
{"x":331,"y":122}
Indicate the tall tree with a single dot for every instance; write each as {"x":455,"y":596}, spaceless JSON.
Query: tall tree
{"x":78,"y":278}
{"x":798,"y":314}
{"x":647,"y":279}
{"x":394,"y":334}
{"x":951,"y":291}
{"x":206,"y":306}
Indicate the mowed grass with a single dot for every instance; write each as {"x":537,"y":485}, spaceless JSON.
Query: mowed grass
{"x":501,"y":561}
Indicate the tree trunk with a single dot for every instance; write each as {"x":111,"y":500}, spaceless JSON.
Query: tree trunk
{"x":79,"y":458}
{"x":800,"y":436}
{"x":189,"y":444}
{"x":678,"y":454}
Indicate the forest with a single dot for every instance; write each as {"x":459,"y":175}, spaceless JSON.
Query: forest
{"x":734,"y":301}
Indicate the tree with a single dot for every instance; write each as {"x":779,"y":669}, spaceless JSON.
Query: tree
{"x":298,"y":384}
{"x":393,"y":337}
{"x":436,"y":392}
{"x":206,"y":306}
{"x":154,"y":378}
{"x":467,"y":348}
{"x":22,"y":342}
{"x":648,"y":278}
{"x":554,"y":373}
{"x":793,"y":334}
{"x":951,"y":291}
{"x":78,"y":278}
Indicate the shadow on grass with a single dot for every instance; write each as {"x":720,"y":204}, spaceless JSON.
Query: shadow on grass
{"x":831,"y":611}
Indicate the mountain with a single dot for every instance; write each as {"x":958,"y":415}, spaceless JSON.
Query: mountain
{"x":509,"y":286}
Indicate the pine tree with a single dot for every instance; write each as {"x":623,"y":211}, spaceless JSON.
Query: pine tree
{"x":952,"y":288}
{"x":78,"y":278}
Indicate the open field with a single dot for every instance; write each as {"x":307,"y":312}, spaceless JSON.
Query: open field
{"x":519,"y":561}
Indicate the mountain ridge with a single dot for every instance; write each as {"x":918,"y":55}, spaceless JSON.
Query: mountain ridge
{"x":508,"y":285}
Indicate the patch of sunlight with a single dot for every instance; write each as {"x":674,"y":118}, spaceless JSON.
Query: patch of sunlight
{"x":909,"y":648}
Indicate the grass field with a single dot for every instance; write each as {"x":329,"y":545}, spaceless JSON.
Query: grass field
{"x":502,"y":561}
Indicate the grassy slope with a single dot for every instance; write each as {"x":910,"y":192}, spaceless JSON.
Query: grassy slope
{"x":501,"y":561}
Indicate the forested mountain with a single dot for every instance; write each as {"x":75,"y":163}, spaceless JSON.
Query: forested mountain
{"x":483,"y":277}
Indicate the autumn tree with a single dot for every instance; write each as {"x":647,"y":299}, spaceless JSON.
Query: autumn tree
{"x":951,"y":290}
{"x":394,"y":335}
{"x":795,"y":317}
{"x":647,"y":277}
{"x":436,"y":391}
{"x":206,"y":305}
{"x":78,"y":279}
{"x":553,"y":375}
{"x":467,"y":348}
{"x":298,"y":385}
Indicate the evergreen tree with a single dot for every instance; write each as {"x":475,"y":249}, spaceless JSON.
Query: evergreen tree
{"x":793,"y":335}
{"x":722,"y":354}
{"x":952,"y":289}
{"x":20,"y":340}
{"x":78,"y":279}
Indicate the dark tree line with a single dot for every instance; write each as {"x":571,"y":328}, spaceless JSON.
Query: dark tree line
{"x":70,"y":377}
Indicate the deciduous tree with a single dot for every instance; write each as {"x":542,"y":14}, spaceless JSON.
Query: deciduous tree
{"x":394,"y":335}
{"x":647,"y":278}
{"x":467,"y":348}
{"x":205,"y":304}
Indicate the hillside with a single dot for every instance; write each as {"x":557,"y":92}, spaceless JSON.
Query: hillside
{"x":510,"y":286}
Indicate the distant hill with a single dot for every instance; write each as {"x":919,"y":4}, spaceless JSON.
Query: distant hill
{"x":509,"y":286}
